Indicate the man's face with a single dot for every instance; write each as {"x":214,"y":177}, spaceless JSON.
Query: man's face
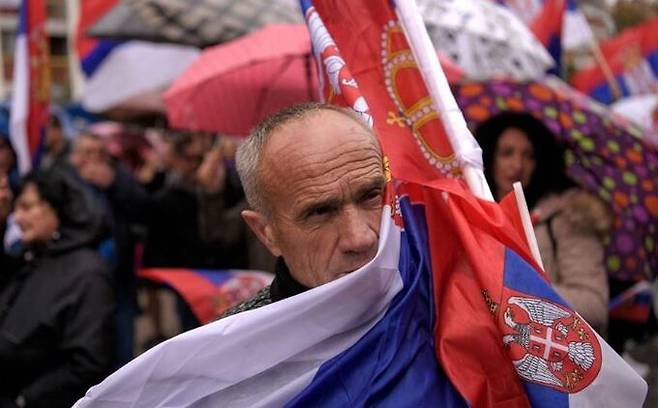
{"x":88,"y":149}
{"x":187,"y":161}
{"x":324,"y":180}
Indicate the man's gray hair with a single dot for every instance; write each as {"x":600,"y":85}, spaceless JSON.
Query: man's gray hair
{"x":249,"y":154}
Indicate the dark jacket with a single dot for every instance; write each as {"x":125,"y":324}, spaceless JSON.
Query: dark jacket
{"x":172,"y":217}
{"x":56,"y":314}
{"x":283,"y":286}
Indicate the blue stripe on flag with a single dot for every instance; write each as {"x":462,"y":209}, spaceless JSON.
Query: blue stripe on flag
{"x":541,"y":396}
{"x":521,"y":277}
{"x":22,"y":18}
{"x":216,"y":277}
{"x":92,"y":61}
{"x":394,"y":364}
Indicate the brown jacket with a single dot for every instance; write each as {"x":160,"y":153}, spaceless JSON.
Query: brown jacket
{"x":569,"y":233}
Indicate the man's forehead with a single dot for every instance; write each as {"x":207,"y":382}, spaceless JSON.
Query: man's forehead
{"x":320,"y":130}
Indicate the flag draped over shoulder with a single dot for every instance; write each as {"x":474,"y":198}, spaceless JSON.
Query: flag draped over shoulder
{"x":484,"y":359}
{"x":451,"y":312}
{"x":31,"y":85}
{"x":633,"y":59}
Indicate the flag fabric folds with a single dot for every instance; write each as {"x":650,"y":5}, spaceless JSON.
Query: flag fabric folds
{"x":90,"y":50}
{"x":633,"y":59}
{"x":452,"y":311}
{"x":547,"y":27}
{"x":31,"y":85}
{"x":446,"y":282}
{"x":209,"y":292}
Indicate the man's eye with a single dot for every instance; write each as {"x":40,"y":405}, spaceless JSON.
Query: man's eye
{"x":320,"y":211}
{"x":373,"y":195}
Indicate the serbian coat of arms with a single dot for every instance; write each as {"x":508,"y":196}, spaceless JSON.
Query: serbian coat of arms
{"x":550,"y":344}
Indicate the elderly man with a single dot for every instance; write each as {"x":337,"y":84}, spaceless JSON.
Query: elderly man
{"x":316,"y":196}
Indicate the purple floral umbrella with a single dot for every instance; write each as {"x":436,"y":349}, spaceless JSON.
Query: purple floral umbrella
{"x":605,"y":154}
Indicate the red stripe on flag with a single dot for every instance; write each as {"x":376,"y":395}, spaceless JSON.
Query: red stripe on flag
{"x":197,"y":291}
{"x":90,"y":12}
{"x":620,"y":53}
{"x":548,"y":21}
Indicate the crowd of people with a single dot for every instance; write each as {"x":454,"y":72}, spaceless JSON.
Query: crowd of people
{"x":78,"y":227}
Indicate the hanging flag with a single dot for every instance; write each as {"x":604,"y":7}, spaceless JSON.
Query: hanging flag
{"x":547,"y":27}
{"x":31,"y":85}
{"x":452,"y":311}
{"x":633,"y":59}
{"x":407,"y":120}
{"x":558,"y":24}
{"x":90,"y":50}
{"x":209,"y":293}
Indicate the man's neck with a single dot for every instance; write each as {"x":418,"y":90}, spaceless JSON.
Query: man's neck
{"x":284,"y":285}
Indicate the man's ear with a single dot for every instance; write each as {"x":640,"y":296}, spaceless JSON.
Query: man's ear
{"x":260,"y":225}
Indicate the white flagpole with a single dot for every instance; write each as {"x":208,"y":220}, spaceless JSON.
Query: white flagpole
{"x":466,"y":149}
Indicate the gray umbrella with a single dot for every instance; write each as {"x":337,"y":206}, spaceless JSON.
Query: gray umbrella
{"x":193,"y":22}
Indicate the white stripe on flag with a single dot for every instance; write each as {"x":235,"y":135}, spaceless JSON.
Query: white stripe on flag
{"x":20,"y":98}
{"x":262,"y":357}
{"x":617,"y":384}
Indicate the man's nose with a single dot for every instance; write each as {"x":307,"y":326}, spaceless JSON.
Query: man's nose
{"x":356,"y":235}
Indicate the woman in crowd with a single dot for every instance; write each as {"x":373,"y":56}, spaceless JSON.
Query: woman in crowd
{"x":56,"y":301}
{"x":569,"y":222}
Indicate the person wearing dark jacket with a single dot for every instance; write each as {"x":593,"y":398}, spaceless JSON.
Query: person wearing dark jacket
{"x":57,"y":301}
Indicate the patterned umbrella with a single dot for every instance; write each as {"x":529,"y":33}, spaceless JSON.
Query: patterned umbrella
{"x":193,"y":22}
{"x":485,"y":39}
{"x":605,"y":154}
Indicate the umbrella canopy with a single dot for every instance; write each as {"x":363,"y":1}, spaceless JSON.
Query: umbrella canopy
{"x":231,"y":87}
{"x":193,"y":22}
{"x":135,"y":75}
{"x":485,"y":39}
{"x":605,"y":154}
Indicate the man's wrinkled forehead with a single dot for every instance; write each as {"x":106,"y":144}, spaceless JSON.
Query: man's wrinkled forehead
{"x":308,"y":130}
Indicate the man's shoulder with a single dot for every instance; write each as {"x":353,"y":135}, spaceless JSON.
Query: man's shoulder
{"x":261,"y":298}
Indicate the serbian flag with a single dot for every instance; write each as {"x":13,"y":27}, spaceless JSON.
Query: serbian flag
{"x":558,"y":24}
{"x":633,"y":59}
{"x":547,"y":27}
{"x":91,"y":51}
{"x":209,"y":293}
{"x":633,"y":304}
{"x":30,"y":98}
{"x":452,"y":311}
{"x":449,"y":313}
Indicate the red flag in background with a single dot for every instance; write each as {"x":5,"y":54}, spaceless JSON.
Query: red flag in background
{"x":31,"y":85}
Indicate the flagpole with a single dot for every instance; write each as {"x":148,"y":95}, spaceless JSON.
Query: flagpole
{"x":605,"y":68}
{"x":466,"y":149}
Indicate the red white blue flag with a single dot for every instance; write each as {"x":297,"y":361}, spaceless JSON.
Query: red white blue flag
{"x":209,"y":292}
{"x":451,"y":312}
{"x":92,"y":51}
{"x":633,"y":59}
{"x":31,"y":85}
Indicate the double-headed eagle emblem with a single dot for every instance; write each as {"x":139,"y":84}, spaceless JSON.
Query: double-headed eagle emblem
{"x":550,"y":345}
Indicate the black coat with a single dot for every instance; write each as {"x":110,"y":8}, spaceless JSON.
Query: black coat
{"x":57,"y":315}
